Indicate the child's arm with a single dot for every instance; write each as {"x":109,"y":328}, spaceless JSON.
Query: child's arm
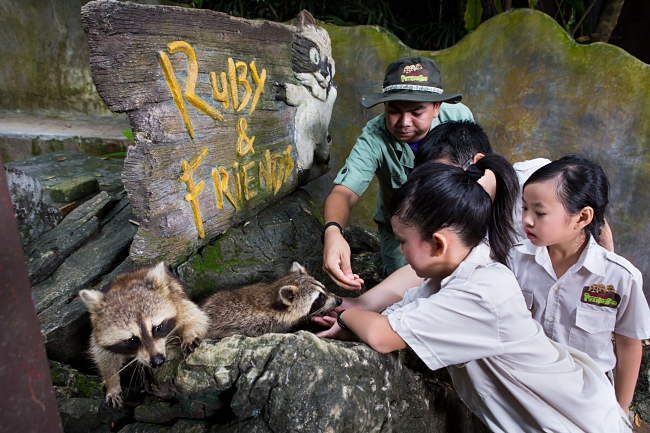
{"x":628,"y":361}
{"x":373,"y":329}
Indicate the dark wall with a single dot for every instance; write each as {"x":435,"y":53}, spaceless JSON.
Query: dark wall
{"x":632,"y":32}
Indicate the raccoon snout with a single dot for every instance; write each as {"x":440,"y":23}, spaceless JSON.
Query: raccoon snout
{"x":338,"y":301}
{"x":157,"y":361}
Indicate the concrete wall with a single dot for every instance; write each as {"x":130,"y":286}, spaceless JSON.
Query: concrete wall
{"x":44,"y":64}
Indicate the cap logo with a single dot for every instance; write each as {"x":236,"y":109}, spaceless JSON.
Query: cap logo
{"x":599,"y":294}
{"x":412,"y":68}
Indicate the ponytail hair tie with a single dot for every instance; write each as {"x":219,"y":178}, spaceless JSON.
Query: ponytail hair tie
{"x":485,"y":178}
{"x":474,"y":172}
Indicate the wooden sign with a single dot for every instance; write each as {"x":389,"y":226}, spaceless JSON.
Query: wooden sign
{"x":228,"y":115}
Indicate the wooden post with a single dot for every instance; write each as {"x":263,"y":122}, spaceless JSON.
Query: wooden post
{"x":28,"y":403}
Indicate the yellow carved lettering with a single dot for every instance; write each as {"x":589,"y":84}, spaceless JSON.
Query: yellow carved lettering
{"x":265,"y":171}
{"x":246,"y":179}
{"x":194,"y":190}
{"x":241,"y":79}
{"x":259,"y":85}
{"x":235,"y":167}
{"x":220,"y":181}
{"x":278,"y":172}
{"x":168,"y":71}
{"x":221,"y":96}
{"x":288,"y":165}
{"x":232,"y":79}
{"x":242,"y":126}
{"x":192,"y":76}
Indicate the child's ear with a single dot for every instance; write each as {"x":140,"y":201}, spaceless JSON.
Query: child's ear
{"x":439,"y":244}
{"x":584,"y":217}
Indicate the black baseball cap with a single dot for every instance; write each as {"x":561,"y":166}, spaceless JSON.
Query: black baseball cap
{"x":411,"y":79}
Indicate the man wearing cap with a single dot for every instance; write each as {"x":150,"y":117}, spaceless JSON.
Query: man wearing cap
{"x":414,"y":103}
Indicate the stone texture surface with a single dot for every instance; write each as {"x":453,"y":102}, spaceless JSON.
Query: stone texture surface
{"x":300,"y":383}
{"x":33,"y":216}
{"x":536,"y":92}
{"x":74,"y":189}
{"x":45,"y":254}
{"x":264,"y":247}
{"x":641,"y":400}
{"x":60,"y":166}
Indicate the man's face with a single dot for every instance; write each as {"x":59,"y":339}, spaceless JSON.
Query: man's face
{"x":410,"y":121}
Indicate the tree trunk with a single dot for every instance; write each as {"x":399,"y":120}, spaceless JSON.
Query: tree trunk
{"x":611,"y":10}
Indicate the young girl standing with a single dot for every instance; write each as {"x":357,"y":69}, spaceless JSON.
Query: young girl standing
{"x":469,"y":313}
{"x":579,"y":292}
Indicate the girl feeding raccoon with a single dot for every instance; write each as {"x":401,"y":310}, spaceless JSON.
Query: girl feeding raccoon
{"x":469,"y":314}
{"x":136,"y":314}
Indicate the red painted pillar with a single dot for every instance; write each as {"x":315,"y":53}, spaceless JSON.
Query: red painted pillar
{"x":27,"y":402}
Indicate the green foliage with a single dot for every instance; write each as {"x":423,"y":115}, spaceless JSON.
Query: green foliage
{"x":473,"y":12}
{"x":433,"y":26}
{"x":430,"y":25}
{"x":128,"y":134}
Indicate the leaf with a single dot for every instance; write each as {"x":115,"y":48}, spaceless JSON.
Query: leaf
{"x":532,"y":3}
{"x":128,"y":134}
{"x":114,"y":155}
{"x":473,"y":12}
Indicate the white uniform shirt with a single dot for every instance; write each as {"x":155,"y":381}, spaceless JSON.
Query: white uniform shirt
{"x":524,"y":170}
{"x":600,"y":294}
{"x":503,"y":366}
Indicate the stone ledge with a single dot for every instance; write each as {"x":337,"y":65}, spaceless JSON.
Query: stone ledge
{"x":23,"y":136}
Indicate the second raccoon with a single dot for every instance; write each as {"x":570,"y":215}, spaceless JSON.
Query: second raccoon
{"x":268,"y":307}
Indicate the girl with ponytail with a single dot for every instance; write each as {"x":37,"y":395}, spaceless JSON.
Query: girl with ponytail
{"x":455,"y":229}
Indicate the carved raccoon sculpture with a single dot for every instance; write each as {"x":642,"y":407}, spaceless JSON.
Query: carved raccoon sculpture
{"x":133,"y":317}
{"x":268,"y":307}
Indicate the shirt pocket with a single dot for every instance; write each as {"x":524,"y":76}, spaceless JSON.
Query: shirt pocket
{"x":592,"y":330}
{"x":528,"y":297}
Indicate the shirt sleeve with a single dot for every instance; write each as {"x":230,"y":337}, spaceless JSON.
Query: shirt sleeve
{"x":361,"y":164}
{"x":454,"y":112}
{"x":448,"y":328}
{"x":633,"y":315}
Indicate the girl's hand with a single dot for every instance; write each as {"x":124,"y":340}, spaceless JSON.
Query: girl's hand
{"x":335,"y":332}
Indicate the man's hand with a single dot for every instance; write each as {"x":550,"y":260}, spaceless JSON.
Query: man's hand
{"x":336,"y":260}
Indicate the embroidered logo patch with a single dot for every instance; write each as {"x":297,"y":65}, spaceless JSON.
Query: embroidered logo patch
{"x":600,"y":294}
{"x":414,"y":73}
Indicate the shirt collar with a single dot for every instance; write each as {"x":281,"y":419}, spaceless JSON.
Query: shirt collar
{"x":478,"y":256}
{"x":590,"y":259}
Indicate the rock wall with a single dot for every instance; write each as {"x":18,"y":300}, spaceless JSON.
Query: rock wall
{"x":44,"y":55}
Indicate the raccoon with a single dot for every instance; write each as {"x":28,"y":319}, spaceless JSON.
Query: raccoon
{"x":268,"y":307}
{"x":133,"y":317}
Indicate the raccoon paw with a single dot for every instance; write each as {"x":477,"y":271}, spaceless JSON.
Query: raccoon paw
{"x":188,"y":348}
{"x":114,"y":400}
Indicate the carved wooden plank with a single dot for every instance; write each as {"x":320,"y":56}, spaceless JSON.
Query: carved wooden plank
{"x":228,"y":115}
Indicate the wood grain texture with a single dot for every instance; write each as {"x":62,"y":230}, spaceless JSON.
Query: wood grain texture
{"x":125,"y":42}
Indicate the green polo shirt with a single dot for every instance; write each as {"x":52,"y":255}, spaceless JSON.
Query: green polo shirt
{"x":377,"y":152}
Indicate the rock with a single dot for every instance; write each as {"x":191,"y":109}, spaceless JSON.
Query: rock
{"x":641,"y":400}
{"x":33,"y":216}
{"x":45,"y":255}
{"x":95,"y":259}
{"x":300,"y":383}
{"x":263,"y":248}
{"x":74,"y":189}
{"x":54,"y":168}
{"x":365,"y":256}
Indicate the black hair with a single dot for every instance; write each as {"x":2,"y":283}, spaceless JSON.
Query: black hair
{"x":579,"y":182}
{"x":454,"y":142}
{"x":438,"y":196}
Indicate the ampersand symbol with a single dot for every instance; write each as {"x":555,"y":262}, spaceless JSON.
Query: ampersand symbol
{"x":242,"y":126}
